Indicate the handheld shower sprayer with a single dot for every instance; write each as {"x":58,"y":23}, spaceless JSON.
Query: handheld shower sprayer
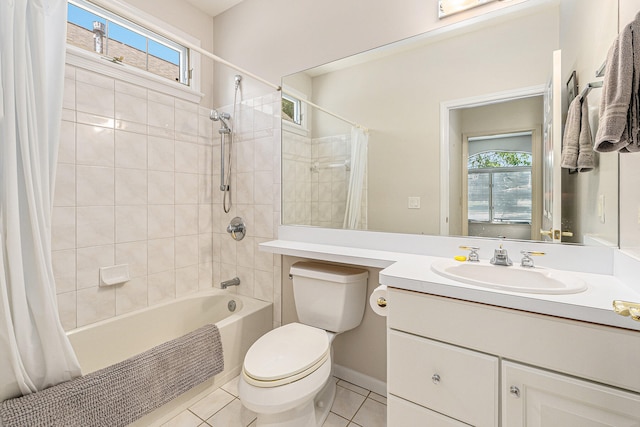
{"x":222,"y":118}
{"x":226,"y":139}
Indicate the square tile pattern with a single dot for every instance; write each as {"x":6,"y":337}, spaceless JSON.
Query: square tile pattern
{"x":136,"y":185}
{"x":354,"y":406}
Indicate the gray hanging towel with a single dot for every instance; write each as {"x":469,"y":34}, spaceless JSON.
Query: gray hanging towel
{"x":577,"y":151}
{"x":619,"y":129}
{"x":586,"y":156}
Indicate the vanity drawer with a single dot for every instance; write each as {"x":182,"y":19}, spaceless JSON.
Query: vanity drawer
{"x":407,"y":414}
{"x":457,"y":382}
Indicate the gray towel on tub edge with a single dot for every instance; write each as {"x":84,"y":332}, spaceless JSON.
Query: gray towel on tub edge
{"x":122,"y":393}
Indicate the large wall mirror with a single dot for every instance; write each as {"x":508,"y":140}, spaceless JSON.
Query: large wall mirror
{"x":461,"y":139}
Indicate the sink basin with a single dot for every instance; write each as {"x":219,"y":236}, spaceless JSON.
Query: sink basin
{"x":535,"y":280}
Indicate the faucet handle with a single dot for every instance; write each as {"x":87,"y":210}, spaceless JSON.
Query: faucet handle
{"x":527,"y":261}
{"x":473,"y":253}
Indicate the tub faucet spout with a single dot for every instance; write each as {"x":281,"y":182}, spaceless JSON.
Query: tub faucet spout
{"x":233,"y":282}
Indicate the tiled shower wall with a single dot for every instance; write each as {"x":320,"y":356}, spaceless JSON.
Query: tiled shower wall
{"x":136,"y":184}
{"x":316,"y":180}
{"x":296,"y":179}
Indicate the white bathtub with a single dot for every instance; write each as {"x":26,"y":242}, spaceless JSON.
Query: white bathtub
{"x":104,"y":343}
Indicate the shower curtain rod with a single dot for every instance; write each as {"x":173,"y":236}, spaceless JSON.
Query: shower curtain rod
{"x":116,"y":8}
{"x":324,"y":110}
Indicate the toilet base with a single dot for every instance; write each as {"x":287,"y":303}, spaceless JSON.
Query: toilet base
{"x":301,"y":416}
{"x":324,"y":401}
{"x":312,"y":414}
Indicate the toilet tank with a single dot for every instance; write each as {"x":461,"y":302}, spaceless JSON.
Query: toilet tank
{"x":327,"y":296}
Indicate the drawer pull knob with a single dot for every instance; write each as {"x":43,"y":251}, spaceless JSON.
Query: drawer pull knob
{"x":515,"y":391}
{"x":436,"y":379}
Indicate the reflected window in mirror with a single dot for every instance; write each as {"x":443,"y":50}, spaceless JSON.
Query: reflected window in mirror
{"x":294,"y":111}
{"x":499,"y":185}
{"x":291,"y":110}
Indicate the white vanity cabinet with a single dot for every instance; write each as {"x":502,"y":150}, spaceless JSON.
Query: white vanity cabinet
{"x":458,"y":363}
{"x":537,"y":398}
{"x":450,"y":380}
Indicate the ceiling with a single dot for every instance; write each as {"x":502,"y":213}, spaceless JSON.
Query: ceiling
{"x":214,"y":7}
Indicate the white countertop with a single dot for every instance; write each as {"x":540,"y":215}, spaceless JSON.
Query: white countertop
{"x":413,"y":272}
{"x":593,"y":305}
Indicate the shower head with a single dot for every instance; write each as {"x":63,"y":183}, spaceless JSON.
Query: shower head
{"x":215,"y":116}
{"x":237,"y":79}
{"x":221,"y":117}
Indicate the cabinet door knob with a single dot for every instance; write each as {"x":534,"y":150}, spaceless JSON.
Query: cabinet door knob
{"x":435,"y":378}
{"x":515,"y":391}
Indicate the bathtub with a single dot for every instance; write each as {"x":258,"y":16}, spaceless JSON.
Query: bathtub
{"x":104,"y":343}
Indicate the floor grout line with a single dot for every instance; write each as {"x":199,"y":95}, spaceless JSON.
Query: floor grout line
{"x":349,"y":421}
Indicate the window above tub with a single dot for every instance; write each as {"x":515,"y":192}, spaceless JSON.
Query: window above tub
{"x":118,"y":46}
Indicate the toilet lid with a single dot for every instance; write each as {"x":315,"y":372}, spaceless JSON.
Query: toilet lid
{"x":285,"y":352}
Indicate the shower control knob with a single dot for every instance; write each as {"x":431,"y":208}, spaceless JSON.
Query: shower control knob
{"x":435,"y":379}
{"x":237,"y":229}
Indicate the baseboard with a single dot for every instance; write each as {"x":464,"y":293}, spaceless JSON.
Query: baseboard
{"x":360,"y":379}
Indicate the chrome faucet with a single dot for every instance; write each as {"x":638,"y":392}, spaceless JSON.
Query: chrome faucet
{"x":233,"y":282}
{"x":501,"y":257}
{"x":473,"y":253}
{"x":527,"y":261}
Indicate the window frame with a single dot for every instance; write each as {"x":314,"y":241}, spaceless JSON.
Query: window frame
{"x":298,"y":98}
{"x":92,"y":61}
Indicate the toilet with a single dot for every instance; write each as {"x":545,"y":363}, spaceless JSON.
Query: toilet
{"x":286,"y":376}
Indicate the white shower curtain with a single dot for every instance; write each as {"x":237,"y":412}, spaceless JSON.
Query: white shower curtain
{"x":34,"y":350}
{"x":359,"y":145}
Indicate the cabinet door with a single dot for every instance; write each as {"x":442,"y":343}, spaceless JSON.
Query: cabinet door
{"x":401,"y":413}
{"x":537,"y":398}
{"x":459,"y":383}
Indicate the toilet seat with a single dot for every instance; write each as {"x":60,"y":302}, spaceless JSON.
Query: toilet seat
{"x":285,"y":355}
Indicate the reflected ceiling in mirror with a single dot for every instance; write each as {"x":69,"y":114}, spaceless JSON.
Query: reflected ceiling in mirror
{"x":398,"y":91}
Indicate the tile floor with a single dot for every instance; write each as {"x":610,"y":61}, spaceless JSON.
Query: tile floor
{"x":353,"y":407}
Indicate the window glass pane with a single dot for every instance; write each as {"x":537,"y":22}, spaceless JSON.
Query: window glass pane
{"x":83,"y":18}
{"x":479,"y":191}
{"x":499,"y":159}
{"x":164,"y":61}
{"x":127,"y":37}
{"x":512,"y":196}
{"x":291,"y":109}
{"x":80,"y":27}
{"x":127,"y":41}
{"x":128,"y":45}
{"x":163,"y":52}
